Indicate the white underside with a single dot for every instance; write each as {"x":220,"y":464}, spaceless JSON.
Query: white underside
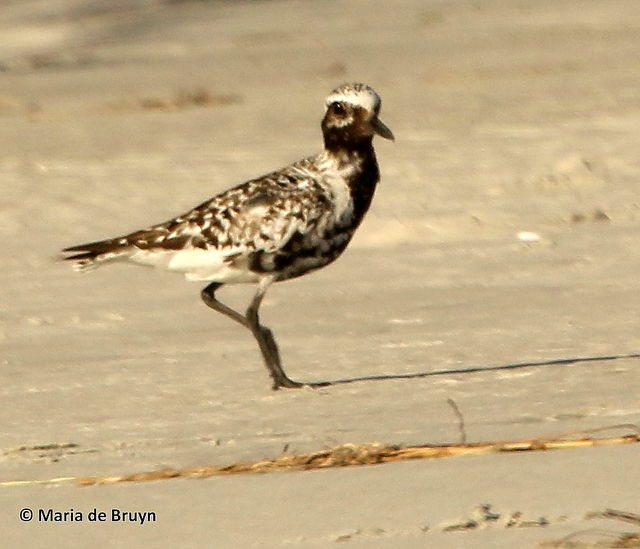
{"x":196,"y":264}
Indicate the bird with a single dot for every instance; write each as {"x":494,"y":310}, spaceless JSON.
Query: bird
{"x":276,"y":227}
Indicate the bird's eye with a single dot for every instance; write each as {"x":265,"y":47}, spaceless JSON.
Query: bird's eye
{"x":338,"y":108}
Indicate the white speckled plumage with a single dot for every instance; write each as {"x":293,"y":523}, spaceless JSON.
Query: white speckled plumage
{"x":272,"y":228}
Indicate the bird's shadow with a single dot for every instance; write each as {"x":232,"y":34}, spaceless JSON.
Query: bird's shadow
{"x":474,"y":369}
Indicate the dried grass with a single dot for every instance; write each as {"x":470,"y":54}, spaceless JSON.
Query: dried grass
{"x":601,"y":538}
{"x":350,"y":455}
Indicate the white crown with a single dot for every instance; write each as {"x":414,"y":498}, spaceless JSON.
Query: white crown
{"x":356,"y":94}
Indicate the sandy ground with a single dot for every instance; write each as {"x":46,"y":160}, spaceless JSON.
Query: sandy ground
{"x":505,"y":232}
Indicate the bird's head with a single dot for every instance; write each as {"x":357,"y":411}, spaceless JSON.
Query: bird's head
{"x":351,"y":119}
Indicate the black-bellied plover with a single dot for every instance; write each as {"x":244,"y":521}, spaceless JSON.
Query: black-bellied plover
{"x":272,"y":228}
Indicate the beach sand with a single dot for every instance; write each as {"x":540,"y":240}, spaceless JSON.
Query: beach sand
{"x":497,"y":270}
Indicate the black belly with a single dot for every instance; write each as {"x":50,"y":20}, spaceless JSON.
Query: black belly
{"x":301,"y":255}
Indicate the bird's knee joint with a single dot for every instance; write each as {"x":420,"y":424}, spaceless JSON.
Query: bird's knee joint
{"x":252,"y":316}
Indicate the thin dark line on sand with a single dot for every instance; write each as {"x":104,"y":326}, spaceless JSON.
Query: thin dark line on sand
{"x":476,"y":369}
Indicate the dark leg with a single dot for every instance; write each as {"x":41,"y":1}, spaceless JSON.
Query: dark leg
{"x":208,"y":295}
{"x":263,"y":335}
{"x":266,"y":341}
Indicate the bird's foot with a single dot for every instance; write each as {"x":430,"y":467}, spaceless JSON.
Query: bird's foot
{"x":287,"y":383}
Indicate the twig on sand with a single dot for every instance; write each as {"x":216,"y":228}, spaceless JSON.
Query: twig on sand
{"x":458,"y":413}
{"x":618,"y":515}
{"x":358,"y":454}
{"x":605,"y":538}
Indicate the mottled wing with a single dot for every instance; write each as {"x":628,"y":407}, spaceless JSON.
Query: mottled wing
{"x":263,"y":214}
{"x":260,"y":215}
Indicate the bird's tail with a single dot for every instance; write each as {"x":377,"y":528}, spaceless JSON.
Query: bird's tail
{"x":91,"y":255}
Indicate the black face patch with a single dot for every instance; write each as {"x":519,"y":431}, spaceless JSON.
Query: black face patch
{"x":338,"y":108}
{"x":346,"y":126}
{"x":340,"y":115}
